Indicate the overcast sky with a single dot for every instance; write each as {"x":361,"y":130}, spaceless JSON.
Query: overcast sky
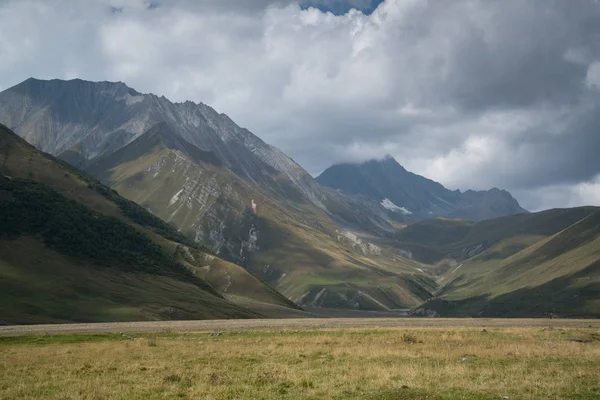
{"x":473,"y":94}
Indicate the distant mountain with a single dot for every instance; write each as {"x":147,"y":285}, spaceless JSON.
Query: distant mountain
{"x":412,"y":197}
{"x":223,"y":187}
{"x":71,"y":250}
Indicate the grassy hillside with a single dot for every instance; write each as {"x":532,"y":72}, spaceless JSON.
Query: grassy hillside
{"x":33,"y":209}
{"x":231,"y":279}
{"x":42,"y":285}
{"x":286,"y":241}
{"x":72,"y":249}
{"x":435,"y":240}
{"x":557,"y":275}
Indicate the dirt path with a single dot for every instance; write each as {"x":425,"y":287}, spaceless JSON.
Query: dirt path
{"x":288,"y":325}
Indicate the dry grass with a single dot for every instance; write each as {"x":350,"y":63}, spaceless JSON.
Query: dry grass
{"x":441,"y":363}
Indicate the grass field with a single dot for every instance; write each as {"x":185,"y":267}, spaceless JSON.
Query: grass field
{"x":405,"y":359}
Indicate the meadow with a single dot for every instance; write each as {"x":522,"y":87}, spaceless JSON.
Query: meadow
{"x":472,"y":360}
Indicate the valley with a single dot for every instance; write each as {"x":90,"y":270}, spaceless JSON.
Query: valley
{"x":257,"y":230}
{"x":299,"y":200}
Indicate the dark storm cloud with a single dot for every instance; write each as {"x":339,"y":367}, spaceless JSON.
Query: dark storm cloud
{"x":474,"y":94}
{"x":342,"y":6}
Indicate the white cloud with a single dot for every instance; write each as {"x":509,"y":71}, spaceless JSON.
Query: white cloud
{"x":593,"y":75}
{"x":474,"y":94}
{"x":561,"y":196}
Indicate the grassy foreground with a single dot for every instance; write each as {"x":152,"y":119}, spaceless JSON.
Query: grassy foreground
{"x":385,"y":363}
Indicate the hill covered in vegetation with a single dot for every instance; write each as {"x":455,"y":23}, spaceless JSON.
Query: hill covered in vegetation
{"x":531,"y":265}
{"x":72,"y":249}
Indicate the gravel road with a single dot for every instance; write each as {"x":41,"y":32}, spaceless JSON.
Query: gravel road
{"x":301,"y":324}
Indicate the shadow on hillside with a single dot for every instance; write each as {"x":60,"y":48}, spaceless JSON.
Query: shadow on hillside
{"x":569,"y":297}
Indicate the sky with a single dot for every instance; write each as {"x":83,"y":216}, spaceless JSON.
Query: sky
{"x":473,"y":94}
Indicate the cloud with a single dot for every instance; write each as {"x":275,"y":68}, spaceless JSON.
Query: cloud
{"x":342,"y":6}
{"x":474,"y":94}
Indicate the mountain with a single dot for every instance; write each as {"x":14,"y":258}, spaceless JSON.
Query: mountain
{"x":72,"y":249}
{"x":224,"y":188}
{"x":269,"y":228}
{"x":527,"y":265}
{"x":411,"y":197}
{"x":295,"y":247}
{"x":80,"y":121}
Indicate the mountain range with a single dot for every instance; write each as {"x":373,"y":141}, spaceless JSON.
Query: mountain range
{"x":223,"y":187}
{"x":412,"y":197}
{"x":361,"y":236}
{"x":72,"y":249}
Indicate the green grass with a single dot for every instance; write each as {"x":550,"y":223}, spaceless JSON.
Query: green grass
{"x":440,"y":363}
{"x":434,"y":240}
{"x":559,"y":275}
{"x":61,"y":339}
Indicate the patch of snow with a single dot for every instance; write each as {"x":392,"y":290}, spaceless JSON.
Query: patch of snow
{"x":389,"y":205}
{"x":253,"y":206}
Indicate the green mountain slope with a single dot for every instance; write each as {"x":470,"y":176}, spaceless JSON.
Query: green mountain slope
{"x":531,"y":268}
{"x":73,"y":250}
{"x":435,"y":240}
{"x":287,"y":241}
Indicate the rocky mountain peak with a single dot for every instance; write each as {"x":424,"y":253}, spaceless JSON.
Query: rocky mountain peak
{"x":386,"y":182}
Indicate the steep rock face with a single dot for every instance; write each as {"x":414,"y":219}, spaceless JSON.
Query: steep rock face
{"x":187,"y":187}
{"x":294,"y":246}
{"x":83,"y":117}
{"x":82,"y":121}
{"x":413,"y":197}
